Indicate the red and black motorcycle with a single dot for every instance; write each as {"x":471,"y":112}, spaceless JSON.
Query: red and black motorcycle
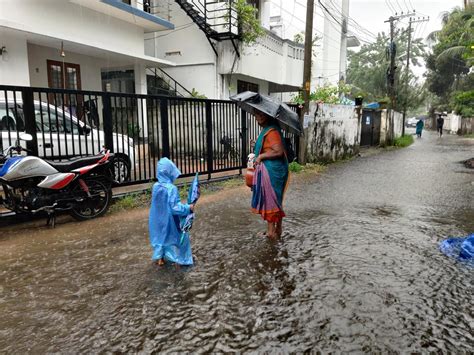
{"x":81,"y":186}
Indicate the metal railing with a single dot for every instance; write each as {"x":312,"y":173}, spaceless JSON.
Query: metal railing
{"x":199,"y":135}
{"x":220,"y":16}
{"x":166,"y":84}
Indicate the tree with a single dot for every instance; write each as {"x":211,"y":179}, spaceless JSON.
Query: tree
{"x":449,"y":76}
{"x":367,"y":71}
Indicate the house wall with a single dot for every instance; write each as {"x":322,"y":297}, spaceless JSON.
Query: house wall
{"x":14,"y":65}
{"x":89,"y":66}
{"x":198,"y":67}
{"x":333,"y":132}
{"x":200,"y":77}
{"x":271,"y":59}
{"x":71,"y":22}
{"x":452,"y":123}
{"x":189,"y":49}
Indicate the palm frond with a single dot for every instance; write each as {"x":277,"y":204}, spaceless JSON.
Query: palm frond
{"x":452,"y":52}
{"x":433,"y":36}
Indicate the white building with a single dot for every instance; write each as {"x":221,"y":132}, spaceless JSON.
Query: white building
{"x":210,"y":59}
{"x":72,"y":43}
{"x":330,"y":26}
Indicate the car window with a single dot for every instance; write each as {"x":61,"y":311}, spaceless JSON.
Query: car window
{"x":50,"y":122}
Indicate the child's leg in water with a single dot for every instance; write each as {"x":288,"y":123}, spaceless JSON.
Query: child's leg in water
{"x":160,"y":262}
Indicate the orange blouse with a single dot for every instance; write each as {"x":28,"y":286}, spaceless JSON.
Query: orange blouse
{"x":271,"y":138}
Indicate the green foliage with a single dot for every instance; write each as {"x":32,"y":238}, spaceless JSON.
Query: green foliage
{"x":248,"y":22}
{"x":450,"y":61}
{"x":133,"y":130}
{"x":325,"y":94}
{"x":403,"y":141}
{"x":463,"y":103}
{"x":299,"y":38}
{"x":367,"y":71}
{"x":197,"y":95}
{"x":294,"y":167}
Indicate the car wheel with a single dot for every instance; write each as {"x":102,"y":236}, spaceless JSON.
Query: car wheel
{"x":121,"y":168}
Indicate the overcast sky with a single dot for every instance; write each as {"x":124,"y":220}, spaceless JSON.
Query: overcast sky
{"x":370,"y":14}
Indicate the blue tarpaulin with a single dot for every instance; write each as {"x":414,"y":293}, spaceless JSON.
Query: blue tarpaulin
{"x":461,"y":249}
{"x":372,"y":105}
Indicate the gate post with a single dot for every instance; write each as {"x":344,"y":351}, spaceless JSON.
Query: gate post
{"x":108,"y":124}
{"x":210,"y":152}
{"x":30,"y":123}
{"x":243,"y":124}
{"x":165,"y":129}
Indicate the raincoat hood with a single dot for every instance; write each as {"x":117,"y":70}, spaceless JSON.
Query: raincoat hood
{"x":166,"y":171}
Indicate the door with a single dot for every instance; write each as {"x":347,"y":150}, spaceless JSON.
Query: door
{"x":370,"y":130}
{"x":63,"y":75}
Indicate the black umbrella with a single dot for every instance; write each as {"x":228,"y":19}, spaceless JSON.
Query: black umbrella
{"x":251,"y":102}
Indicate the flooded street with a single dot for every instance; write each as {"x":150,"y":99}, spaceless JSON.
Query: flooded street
{"x":358,"y":269}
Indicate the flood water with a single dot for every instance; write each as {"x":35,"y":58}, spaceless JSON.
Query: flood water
{"x":358,"y":269}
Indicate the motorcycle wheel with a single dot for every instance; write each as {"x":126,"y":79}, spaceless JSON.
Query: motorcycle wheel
{"x":94,"y":206}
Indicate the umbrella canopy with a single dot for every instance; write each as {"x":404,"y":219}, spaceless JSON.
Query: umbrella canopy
{"x":251,"y":102}
{"x":194,"y":190}
{"x":193,"y":195}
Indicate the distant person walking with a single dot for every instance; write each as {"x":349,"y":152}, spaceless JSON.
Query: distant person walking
{"x":440,"y":124}
{"x":419,"y":127}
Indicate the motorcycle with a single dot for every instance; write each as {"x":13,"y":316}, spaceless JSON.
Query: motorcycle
{"x":80,"y":186}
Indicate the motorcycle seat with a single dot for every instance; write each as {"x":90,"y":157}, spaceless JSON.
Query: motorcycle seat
{"x":74,"y":163}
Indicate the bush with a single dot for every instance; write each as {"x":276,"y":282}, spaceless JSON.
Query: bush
{"x":294,"y":167}
{"x":403,"y":141}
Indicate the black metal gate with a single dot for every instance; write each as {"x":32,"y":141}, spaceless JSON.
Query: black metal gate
{"x":199,"y":135}
{"x":370,"y":128}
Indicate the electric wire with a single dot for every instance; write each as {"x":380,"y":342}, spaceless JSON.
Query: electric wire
{"x":337,"y":41}
{"x":333,"y":6}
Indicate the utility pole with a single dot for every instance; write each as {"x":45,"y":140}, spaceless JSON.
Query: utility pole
{"x":391,"y":72}
{"x":407,"y":69}
{"x":308,"y":52}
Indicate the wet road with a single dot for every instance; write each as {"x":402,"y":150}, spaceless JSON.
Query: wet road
{"x":358,"y":269}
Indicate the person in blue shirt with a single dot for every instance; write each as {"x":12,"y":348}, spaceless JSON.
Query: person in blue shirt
{"x":166,"y":212}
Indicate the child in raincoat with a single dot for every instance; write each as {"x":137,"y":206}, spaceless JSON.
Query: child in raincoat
{"x":164,"y":220}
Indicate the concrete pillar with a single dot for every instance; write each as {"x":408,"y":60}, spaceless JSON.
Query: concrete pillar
{"x":141,"y":89}
{"x":265,"y":7}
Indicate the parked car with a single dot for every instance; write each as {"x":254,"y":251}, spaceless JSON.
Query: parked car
{"x":411,"y":122}
{"x":62,"y":135}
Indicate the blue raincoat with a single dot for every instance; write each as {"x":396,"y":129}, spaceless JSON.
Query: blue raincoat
{"x":165,"y":215}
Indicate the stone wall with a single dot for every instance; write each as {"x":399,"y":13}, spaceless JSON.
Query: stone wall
{"x":333,"y":132}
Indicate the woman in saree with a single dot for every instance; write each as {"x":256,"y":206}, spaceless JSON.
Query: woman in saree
{"x":271,"y":175}
{"x":419,"y":127}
